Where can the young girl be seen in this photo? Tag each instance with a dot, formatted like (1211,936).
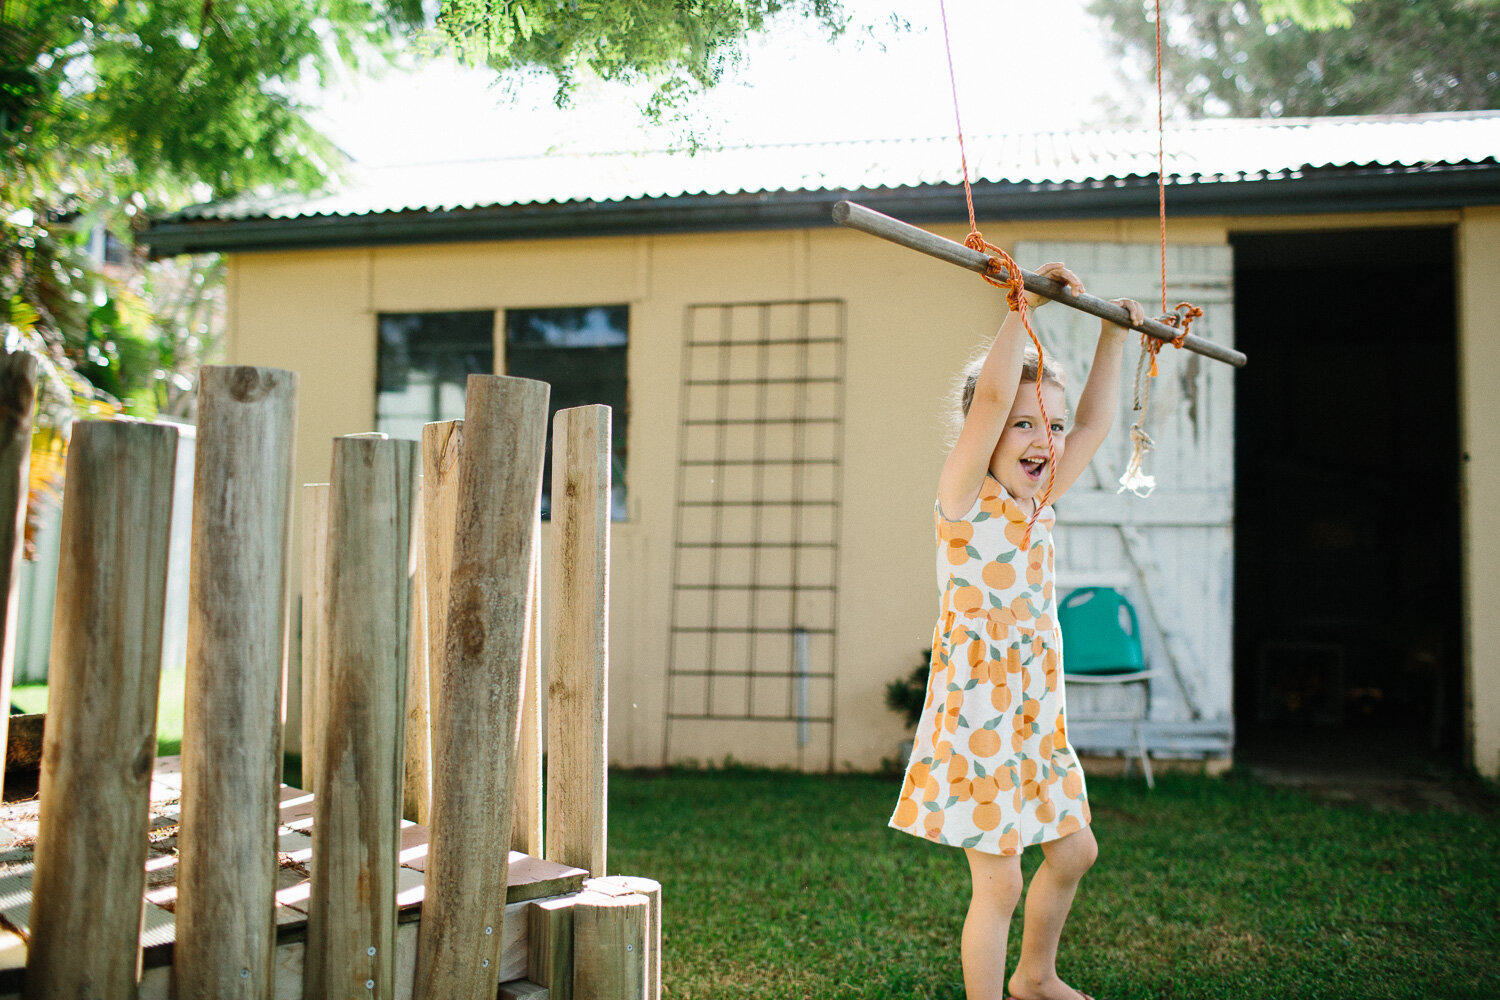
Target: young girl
(991,770)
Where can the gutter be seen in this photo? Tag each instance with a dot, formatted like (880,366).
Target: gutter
(1322,190)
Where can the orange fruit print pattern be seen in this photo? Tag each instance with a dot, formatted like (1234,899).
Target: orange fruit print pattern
(991,767)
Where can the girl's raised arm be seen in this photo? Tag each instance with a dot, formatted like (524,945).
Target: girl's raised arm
(1097,404)
(994,394)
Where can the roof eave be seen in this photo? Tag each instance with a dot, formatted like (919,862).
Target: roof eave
(1325,190)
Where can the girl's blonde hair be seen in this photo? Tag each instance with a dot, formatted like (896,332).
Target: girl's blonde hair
(1033,369)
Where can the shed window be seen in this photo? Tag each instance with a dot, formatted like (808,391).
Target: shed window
(423,362)
(581,352)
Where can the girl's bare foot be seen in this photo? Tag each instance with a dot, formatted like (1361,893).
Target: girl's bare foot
(1042,989)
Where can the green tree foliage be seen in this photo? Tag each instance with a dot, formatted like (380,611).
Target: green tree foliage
(126,96)
(682,46)
(113,108)
(1245,58)
(1314,15)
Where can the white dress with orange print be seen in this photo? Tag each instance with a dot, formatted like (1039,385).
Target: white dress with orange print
(990,766)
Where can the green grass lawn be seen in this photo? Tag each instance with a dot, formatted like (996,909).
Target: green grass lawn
(33,698)
(780,885)
(787,885)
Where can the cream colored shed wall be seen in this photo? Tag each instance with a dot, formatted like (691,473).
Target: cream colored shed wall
(1479,443)
(910,322)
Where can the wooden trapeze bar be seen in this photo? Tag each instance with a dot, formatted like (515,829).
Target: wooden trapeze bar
(855,216)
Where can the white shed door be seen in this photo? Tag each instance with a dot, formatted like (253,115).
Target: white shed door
(1171,553)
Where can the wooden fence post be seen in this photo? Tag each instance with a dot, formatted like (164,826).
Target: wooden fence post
(314,619)
(100,741)
(17,400)
(231,747)
(578,667)
(549,945)
(351,918)
(526,835)
(442,445)
(478,709)
(417,797)
(609,946)
(651,889)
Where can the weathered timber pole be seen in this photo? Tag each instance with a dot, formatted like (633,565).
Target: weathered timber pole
(314,623)
(578,613)
(526,831)
(609,945)
(100,741)
(442,444)
(855,216)
(651,889)
(478,708)
(351,919)
(549,945)
(237,635)
(417,796)
(17,400)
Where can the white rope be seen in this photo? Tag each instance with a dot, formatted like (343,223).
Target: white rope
(1135,478)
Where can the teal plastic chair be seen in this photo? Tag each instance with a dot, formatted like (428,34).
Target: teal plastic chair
(1102,646)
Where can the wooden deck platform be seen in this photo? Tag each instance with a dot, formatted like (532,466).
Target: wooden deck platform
(530,878)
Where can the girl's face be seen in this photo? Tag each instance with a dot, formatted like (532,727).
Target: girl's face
(1020,459)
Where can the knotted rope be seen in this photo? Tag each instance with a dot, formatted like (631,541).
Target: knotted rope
(1002,272)
(1135,478)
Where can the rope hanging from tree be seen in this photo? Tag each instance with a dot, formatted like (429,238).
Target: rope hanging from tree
(1002,272)
(1135,478)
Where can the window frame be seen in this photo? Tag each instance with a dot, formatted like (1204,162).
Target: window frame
(502,360)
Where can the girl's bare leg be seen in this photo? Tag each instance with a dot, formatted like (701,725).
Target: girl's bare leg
(997,889)
(1048,900)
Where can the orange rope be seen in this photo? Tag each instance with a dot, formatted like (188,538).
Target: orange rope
(1135,478)
(1182,318)
(1002,272)
(1161,174)
(963,158)
(1185,312)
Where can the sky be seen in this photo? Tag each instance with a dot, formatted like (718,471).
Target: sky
(1032,66)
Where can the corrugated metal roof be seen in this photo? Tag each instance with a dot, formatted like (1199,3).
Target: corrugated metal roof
(1197,152)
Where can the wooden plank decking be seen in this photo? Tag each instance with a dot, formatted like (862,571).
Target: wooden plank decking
(530,878)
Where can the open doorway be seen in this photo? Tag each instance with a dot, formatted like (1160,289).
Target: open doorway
(1348,649)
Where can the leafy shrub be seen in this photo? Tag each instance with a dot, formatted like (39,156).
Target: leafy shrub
(906,695)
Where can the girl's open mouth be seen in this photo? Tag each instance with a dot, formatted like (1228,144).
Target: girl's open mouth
(1033,467)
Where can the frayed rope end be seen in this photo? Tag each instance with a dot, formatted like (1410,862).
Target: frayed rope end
(1135,478)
